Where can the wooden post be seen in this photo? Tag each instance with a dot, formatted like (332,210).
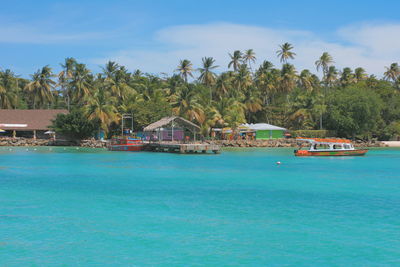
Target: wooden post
(34,134)
(14,134)
(172,136)
(122,126)
(132,125)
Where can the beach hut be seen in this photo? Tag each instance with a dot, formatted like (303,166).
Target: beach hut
(266,131)
(171,129)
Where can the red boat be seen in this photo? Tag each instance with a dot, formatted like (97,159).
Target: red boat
(125,143)
(329,147)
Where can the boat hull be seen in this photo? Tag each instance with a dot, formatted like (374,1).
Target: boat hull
(355,152)
(132,148)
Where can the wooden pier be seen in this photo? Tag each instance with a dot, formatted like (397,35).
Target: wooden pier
(189,148)
(176,135)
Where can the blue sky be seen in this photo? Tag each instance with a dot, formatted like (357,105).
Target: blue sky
(154,35)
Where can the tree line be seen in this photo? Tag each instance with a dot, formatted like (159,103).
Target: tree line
(350,102)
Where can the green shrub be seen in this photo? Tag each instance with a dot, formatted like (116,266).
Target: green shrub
(74,125)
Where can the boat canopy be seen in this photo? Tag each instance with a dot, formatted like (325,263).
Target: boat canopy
(324,140)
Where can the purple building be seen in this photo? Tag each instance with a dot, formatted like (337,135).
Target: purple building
(166,134)
(171,129)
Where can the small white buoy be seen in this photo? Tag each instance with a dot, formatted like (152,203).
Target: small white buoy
(35,149)
(278,163)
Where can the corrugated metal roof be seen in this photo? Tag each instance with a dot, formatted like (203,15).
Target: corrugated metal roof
(262,126)
(28,119)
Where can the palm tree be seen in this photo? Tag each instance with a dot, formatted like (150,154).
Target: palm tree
(242,80)
(64,76)
(207,77)
(360,74)
(110,69)
(8,89)
(392,72)
(265,67)
(249,57)
(300,110)
(41,86)
(324,62)
(288,77)
(223,84)
(347,77)
(306,80)
(186,104)
(331,75)
(236,60)
(67,68)
(81,83)
(173,84)
(269,83)
(252,101)
(302,117)
(235,116)
(117,82)
(220,110)
(285,52)
(185,69)
(101,107)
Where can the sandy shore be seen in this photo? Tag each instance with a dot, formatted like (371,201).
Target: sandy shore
(392,143)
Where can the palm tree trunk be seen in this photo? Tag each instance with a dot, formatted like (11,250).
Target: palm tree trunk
(211,94)
(68,102)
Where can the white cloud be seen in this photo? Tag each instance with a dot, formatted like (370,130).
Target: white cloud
(17,33)
(379,40)
(371,47)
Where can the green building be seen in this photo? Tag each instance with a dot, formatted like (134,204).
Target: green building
(266,131)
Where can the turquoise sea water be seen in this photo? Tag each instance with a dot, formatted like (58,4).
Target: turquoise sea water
(86,207)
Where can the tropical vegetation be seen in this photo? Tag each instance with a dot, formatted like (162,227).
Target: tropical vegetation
(350,102)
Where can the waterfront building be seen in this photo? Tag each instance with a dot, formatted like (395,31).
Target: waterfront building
(31,123)
(171,129)
(266,131)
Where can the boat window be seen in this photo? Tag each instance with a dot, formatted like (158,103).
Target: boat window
(346,146)
(314,146)
(320,146)
(337,146)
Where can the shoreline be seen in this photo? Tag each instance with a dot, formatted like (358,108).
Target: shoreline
(284,143)
(29,142)
(391,143)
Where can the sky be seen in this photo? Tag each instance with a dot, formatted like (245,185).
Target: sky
(154,35)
